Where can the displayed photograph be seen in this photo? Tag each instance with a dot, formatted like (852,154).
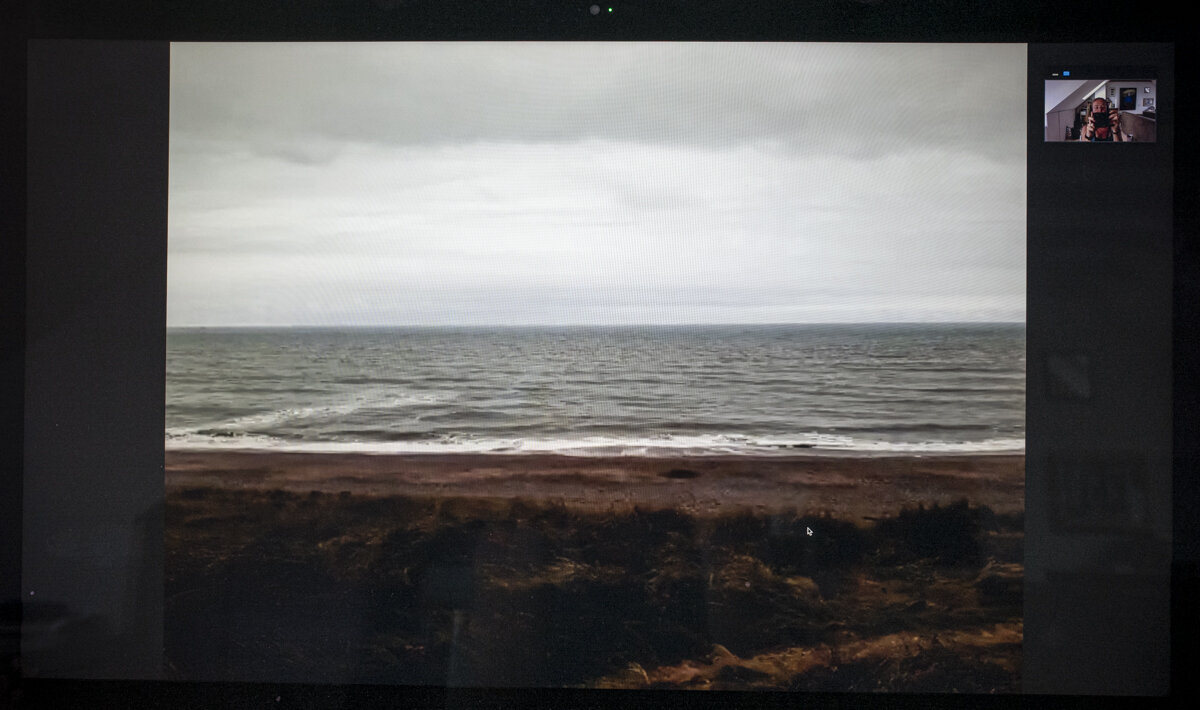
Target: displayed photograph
(597,365)
(1101,111)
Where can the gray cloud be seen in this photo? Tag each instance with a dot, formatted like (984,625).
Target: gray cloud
(845,99)
(515,183)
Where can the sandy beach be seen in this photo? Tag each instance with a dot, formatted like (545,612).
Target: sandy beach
(849,487)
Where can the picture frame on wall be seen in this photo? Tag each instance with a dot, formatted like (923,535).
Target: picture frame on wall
(1128,98)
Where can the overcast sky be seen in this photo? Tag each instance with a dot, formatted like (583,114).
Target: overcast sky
(559,183)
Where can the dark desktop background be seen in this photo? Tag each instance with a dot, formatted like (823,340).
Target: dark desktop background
(93,264)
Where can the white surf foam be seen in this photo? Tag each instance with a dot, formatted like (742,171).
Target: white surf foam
(335,409)
(701,445)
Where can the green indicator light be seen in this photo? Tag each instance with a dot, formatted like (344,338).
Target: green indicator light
(610,9)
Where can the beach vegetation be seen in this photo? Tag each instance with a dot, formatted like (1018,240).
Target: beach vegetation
(332,587)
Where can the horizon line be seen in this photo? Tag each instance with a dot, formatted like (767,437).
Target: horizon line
(590,325)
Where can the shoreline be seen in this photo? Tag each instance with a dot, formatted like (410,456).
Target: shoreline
(790,452)
(845,485)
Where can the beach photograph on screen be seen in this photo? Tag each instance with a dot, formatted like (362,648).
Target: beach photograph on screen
(682,366)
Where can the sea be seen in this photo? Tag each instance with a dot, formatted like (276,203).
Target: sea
(695,390)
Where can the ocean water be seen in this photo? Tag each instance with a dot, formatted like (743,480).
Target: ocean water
(651,390)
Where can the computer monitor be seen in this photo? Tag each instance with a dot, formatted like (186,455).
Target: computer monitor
(796,366)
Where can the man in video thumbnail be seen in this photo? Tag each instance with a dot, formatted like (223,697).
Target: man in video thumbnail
(1103,123)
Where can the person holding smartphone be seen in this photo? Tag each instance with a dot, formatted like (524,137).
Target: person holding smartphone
(1103,123)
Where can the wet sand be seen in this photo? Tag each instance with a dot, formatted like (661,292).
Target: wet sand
(849,487)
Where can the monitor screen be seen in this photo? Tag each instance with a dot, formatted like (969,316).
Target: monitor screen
(601,365)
